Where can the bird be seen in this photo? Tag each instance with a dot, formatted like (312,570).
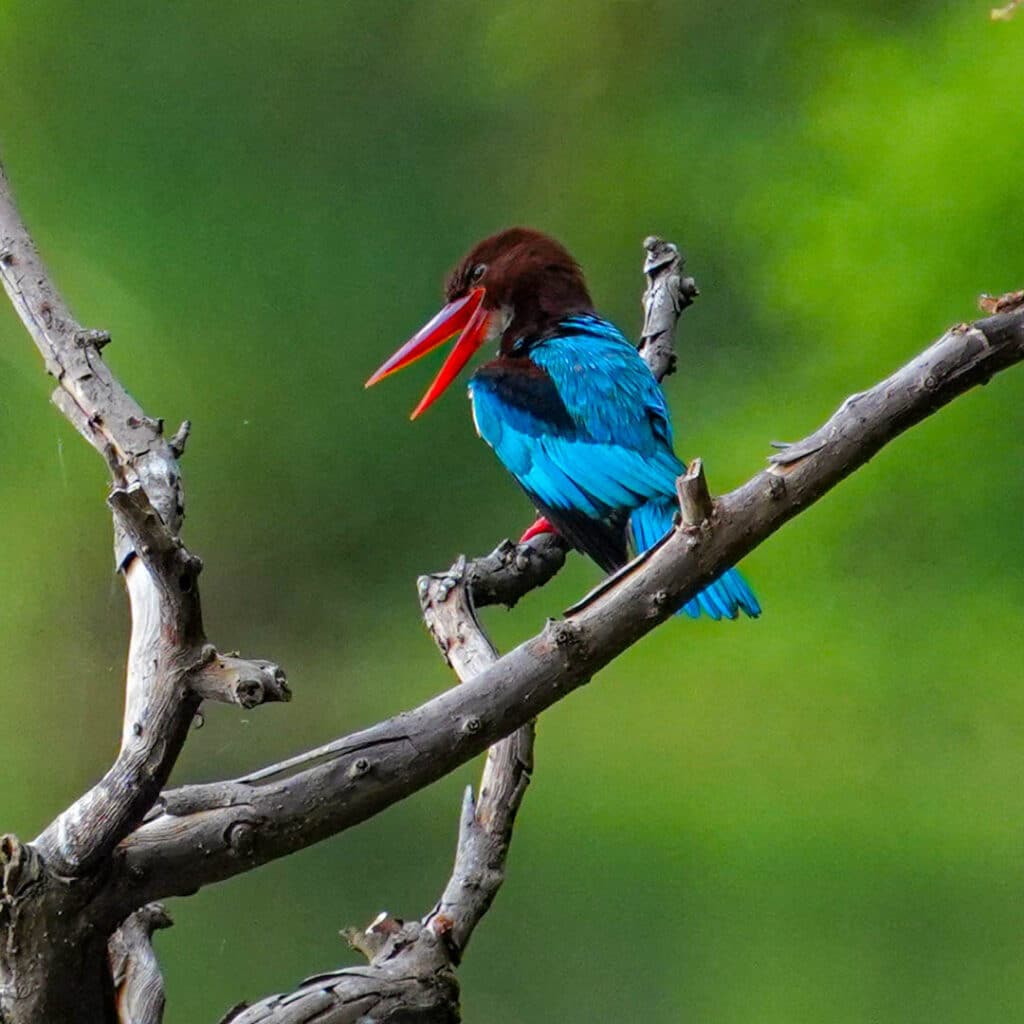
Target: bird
(568,405)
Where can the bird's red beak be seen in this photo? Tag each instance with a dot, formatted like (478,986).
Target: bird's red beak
(467,315)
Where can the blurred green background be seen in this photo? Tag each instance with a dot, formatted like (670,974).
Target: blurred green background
(813,817)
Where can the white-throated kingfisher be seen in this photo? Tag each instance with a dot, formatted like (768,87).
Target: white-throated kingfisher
(569,406)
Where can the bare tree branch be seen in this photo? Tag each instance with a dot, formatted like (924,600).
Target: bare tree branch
(512,570)
(668,294)
(138,984)
(285,807)
(170,666)
(63,896)
(53,931)
(232,680)
(485,825)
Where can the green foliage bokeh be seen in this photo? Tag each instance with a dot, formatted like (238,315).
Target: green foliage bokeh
(813,817)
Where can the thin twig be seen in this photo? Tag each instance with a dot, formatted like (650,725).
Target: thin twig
(695,505)
(668,293)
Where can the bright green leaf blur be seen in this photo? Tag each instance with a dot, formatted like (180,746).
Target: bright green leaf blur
(814,817)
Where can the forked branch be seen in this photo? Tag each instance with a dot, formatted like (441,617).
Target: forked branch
(288,806)
(118,848)
(171,668)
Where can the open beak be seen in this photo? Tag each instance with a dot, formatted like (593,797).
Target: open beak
(467,315)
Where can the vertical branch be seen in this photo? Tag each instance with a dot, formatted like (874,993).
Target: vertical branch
(667,294)
(54,938)
(138,984)
(133,446)
(485,826)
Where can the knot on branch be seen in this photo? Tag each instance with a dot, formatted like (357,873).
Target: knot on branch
(244,682)
(94,339)
(565,635)
(20,868)
(695,504)
(240,837)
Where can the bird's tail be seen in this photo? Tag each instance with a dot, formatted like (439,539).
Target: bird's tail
(724,598)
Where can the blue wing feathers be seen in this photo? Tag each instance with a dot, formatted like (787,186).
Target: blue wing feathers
(581,423)
(725,598)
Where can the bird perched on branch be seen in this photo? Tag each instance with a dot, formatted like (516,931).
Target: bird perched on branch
(569,406)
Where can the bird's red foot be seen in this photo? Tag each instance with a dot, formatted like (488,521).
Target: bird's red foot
(539,527)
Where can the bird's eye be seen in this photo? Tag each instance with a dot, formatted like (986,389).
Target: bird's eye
(477,272)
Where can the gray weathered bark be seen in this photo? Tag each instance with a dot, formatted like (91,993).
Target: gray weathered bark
(48,905)
(138,983)
(287,806)
(410,974)
(74,943)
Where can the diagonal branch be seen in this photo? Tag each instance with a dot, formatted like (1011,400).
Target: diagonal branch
(285,807)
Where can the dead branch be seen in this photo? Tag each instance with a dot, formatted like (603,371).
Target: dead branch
(63,896)
(168,655)
(138,984)
(485,824)
(288,806)
(171,667)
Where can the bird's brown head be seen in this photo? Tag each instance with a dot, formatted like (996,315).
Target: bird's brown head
(516,284)
(530,281)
